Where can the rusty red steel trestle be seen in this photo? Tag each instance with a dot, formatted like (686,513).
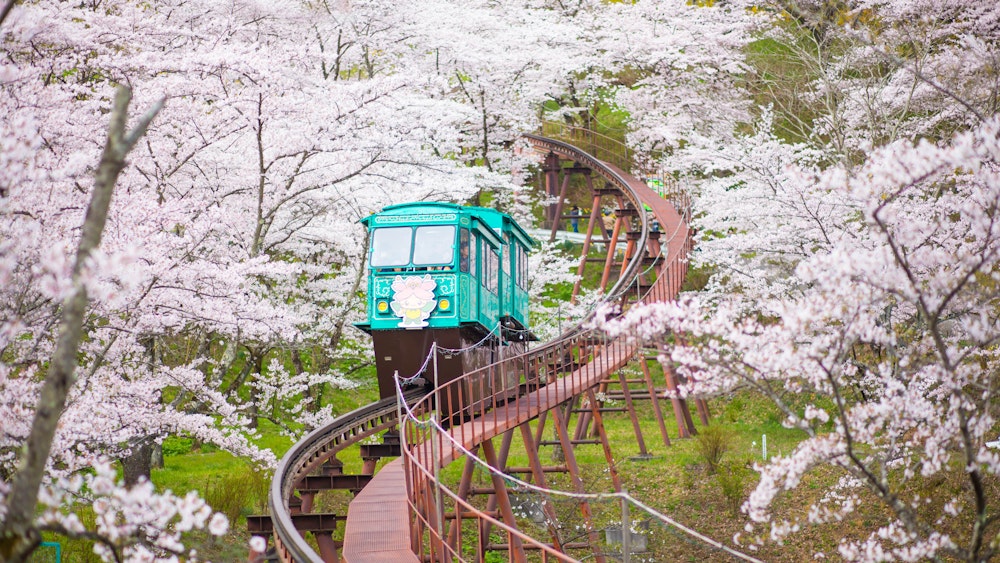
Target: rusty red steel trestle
(555,380)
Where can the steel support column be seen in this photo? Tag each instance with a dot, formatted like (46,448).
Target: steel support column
(551,523)
(455,531)
(500,493)
(632,414)
(657,412)
(605,445)
(574,472)
(591,224)
(500,463)
(609,260)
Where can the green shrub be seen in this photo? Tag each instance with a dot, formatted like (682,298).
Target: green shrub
(732,479)
(712,443)
(177,445)
(231,493)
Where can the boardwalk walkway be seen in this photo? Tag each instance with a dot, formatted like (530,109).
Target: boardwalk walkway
(378,520)
(378,529)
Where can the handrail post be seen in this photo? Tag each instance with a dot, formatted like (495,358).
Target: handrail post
(438,502)
(437,392)
(626,531)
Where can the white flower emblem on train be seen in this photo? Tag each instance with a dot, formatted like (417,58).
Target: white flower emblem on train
(413,300)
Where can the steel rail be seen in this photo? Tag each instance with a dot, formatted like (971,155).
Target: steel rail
(308,454)
(312,451)
(576,154)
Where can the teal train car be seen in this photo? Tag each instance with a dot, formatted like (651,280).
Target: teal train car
(445,274)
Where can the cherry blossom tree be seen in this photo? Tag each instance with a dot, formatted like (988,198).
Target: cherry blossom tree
(869,73)
(208,255)
(150,517)
(851,230)
(496,61)
(879,347)
(678,66)
(231,262)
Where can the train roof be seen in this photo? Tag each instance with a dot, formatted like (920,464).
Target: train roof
(496,220)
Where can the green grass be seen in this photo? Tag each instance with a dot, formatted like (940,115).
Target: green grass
(675,481)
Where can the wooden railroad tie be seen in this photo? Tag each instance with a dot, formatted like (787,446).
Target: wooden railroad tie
(317,523)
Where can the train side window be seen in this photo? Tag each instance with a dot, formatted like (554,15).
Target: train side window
(515,259)
(493,265)
(505,263)
(522,267)
(474,254)
(527,272)
(434,245)
(463,250)
(484,265)
(391,246)
(486,274)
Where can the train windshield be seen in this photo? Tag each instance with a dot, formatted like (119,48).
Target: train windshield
(391,246)
(434,245)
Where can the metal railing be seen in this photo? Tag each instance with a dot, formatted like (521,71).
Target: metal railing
(544,376)
(482,404)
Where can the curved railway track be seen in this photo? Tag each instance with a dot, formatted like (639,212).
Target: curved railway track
(558,371)
(308,455)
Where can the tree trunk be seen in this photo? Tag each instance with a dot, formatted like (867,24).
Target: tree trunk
(19,537)
(156,457)
(254,410)
(139,462)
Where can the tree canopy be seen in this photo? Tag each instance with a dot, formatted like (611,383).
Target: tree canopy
(843,156)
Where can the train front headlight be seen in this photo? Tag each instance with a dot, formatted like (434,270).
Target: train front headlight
(444,304)
(382,306)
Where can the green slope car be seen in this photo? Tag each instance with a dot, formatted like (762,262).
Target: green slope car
(450,276)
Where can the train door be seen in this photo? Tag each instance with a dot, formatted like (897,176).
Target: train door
(506,279)
(521,286)
(468,294)
(475,267)
(489,306)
